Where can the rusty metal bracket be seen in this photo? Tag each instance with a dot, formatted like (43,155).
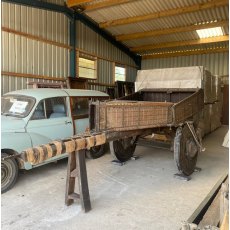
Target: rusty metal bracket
(192,130)
(10,156)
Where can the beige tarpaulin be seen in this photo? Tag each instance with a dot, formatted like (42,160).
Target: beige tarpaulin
(183,77)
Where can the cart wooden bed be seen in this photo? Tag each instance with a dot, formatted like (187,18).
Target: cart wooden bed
(172,112)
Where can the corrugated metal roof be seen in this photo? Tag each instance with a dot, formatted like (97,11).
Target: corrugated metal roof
(218,14)
(143,7)
(136,8)
(185,36)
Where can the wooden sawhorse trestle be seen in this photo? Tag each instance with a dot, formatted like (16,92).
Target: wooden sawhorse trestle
(76,169)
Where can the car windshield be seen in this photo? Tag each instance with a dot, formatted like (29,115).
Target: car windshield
(16,105)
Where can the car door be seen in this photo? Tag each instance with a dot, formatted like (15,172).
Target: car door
(51,120)
(80,113)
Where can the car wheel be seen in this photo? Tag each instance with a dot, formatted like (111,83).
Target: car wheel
(9,173)
(123,149)
(95,152)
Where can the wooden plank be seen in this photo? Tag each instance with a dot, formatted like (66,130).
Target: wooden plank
(83,181)
(74,173)
(104,4)
(201,208)
(74,196)
(36,38)
(181,43)
(224,201)
(70,181)
(186,53)
(27,75)
(212,216)
(72,3)
(153,33)
(166,13)
(225,223)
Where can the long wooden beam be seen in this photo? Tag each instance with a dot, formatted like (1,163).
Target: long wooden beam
(36,38)
(185,53)
(181,43)
(139,35)
(108,3)
(72,3)
(27,75)
(167,13)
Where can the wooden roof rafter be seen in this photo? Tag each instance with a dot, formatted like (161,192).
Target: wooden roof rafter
(139,35)
(74,3)
(223,38)
(105,4)
(167,13)
(185,53)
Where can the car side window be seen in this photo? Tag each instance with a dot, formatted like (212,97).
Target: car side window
(39,112)
(56,107)
(80,106)
(50,108)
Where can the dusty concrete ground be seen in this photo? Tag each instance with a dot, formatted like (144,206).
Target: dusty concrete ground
(142,194)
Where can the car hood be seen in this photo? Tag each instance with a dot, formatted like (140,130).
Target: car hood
(12,124)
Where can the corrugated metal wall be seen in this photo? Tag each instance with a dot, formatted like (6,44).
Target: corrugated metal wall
(21,54)
(216,63)
(24,54)
(93,43)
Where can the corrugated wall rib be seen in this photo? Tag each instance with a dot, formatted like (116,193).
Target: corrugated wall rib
(90,41)
(24,55)
(216,63)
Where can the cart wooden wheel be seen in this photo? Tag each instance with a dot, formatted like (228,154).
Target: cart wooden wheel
(123,149)
(185,151)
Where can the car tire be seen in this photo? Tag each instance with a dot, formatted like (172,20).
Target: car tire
(121,151)
(9,173)
(95,152)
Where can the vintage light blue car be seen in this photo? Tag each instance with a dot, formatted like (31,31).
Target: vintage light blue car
(37,116)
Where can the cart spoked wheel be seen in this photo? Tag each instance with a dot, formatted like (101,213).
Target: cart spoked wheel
(9,173)
(185,151)
(95,152)
(123,149)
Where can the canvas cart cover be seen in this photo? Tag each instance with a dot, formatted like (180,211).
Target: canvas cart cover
(183,77)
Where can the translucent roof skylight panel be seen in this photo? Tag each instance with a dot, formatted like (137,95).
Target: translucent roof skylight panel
(211,32)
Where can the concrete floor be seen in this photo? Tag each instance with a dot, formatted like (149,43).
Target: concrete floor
(142,194)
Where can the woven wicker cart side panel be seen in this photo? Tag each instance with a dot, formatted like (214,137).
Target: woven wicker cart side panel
(126,116)
(188,107)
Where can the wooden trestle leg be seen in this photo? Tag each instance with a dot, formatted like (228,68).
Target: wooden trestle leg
(77,169)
